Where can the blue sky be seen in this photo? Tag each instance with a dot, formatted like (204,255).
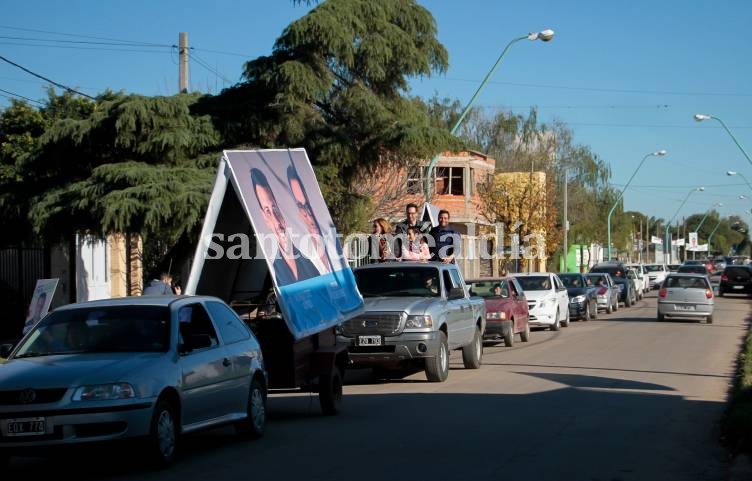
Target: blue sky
(627,79)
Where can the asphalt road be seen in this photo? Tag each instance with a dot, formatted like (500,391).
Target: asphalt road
(619,398)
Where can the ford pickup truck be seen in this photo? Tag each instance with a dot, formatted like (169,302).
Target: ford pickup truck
(414,312)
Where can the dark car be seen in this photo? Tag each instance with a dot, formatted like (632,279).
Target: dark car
(692,269)
(618,272)
(583,296)
(506,308)
(735,279)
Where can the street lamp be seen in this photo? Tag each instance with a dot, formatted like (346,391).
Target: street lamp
(543,36)
(711,235)
(701,117)
(668,224)
(697,229)
(621,194)
(731,173)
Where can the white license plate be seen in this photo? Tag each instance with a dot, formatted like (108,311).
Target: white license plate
(685,308)
(738,287)
(26,427)
(369,340)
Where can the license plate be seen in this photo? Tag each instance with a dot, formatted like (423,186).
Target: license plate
(738,287)
(369,340)
(685,308)
(26,427)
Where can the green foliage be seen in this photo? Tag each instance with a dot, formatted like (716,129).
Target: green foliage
(737,421)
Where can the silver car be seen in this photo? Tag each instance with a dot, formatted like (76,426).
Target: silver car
(138,367)
(686,295)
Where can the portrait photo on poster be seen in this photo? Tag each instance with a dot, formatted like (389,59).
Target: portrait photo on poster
(292,223)
(44,291)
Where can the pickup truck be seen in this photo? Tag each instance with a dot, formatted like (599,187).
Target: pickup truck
(414,312)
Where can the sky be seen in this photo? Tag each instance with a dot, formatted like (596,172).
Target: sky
(626,77)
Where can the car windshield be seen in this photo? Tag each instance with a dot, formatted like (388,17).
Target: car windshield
(398,282)
(615,271)
(572,280)
(534,283)
(99,329)
(597,280)
(495,288)
(653,267)
(693,268)
(691,282)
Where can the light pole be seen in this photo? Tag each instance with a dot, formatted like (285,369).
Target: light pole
(701,117)
(731,173)
(668,224)
(711,235)
(544,36)
(621,194)
(697,229)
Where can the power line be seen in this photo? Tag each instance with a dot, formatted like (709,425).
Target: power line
(72,47)
(19,96)
(76,35)
(46,79)
(209,68)
(86,42)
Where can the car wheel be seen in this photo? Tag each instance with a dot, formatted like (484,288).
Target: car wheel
(616,305)
(330,392)
(437,367)
(163,435)
(594,311)
(253,425)
(609,309)
(628,300)
(555,326)
(661,317)
(709,319)
(472,354)
(587,315)
(565,322)
(509,336)
(525,335)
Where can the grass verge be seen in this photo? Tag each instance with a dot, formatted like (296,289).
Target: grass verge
(737,422)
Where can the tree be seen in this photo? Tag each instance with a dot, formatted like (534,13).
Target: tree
(336,83)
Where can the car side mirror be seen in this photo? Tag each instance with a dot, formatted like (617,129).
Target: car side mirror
(5,350)
(456,293)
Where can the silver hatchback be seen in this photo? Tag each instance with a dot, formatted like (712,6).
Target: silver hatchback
(138,367)
(686,295)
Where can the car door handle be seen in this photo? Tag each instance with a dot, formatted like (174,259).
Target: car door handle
(226,362)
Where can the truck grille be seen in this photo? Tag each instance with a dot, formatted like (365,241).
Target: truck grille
(383,323)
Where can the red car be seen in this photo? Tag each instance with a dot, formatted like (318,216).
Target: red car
(506,308)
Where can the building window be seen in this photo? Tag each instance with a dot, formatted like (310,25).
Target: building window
(450,180)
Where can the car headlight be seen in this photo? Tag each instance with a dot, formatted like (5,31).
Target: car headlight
(496,315)
(542,303)
(414,322)
(104,392)
(578,299)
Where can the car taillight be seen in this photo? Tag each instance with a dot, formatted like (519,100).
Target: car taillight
(662,292)
(708,293)
(602,291)
(724,277)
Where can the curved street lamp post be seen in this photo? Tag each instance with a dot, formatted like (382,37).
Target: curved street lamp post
(667,247)
(544,36)
(697,229)
(621,194)
(701,117)
(732,173)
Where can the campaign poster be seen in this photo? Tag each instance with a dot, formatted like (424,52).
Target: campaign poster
(40,302)
(297,237)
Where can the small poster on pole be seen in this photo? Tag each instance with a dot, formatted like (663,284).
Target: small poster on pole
(40,302)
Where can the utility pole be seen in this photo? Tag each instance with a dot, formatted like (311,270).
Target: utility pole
(566,225)
(183,63)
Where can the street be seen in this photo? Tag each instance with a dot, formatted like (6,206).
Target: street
(619,398)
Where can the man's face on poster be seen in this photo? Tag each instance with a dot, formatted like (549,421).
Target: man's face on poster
(273,217)
(304,207)
(40,306)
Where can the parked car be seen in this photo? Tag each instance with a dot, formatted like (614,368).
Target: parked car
(129,368)
(607,293)
(506,309)
(656,275)
(735,279)
(583,296)
(686,295)
(632,275)
(707,264)
(415,312)
(547,299)
(642,276)
(618,272)
(672,267)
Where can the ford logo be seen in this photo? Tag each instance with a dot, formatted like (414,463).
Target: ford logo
(27,396)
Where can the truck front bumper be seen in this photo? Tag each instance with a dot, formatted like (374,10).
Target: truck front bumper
(393,349)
